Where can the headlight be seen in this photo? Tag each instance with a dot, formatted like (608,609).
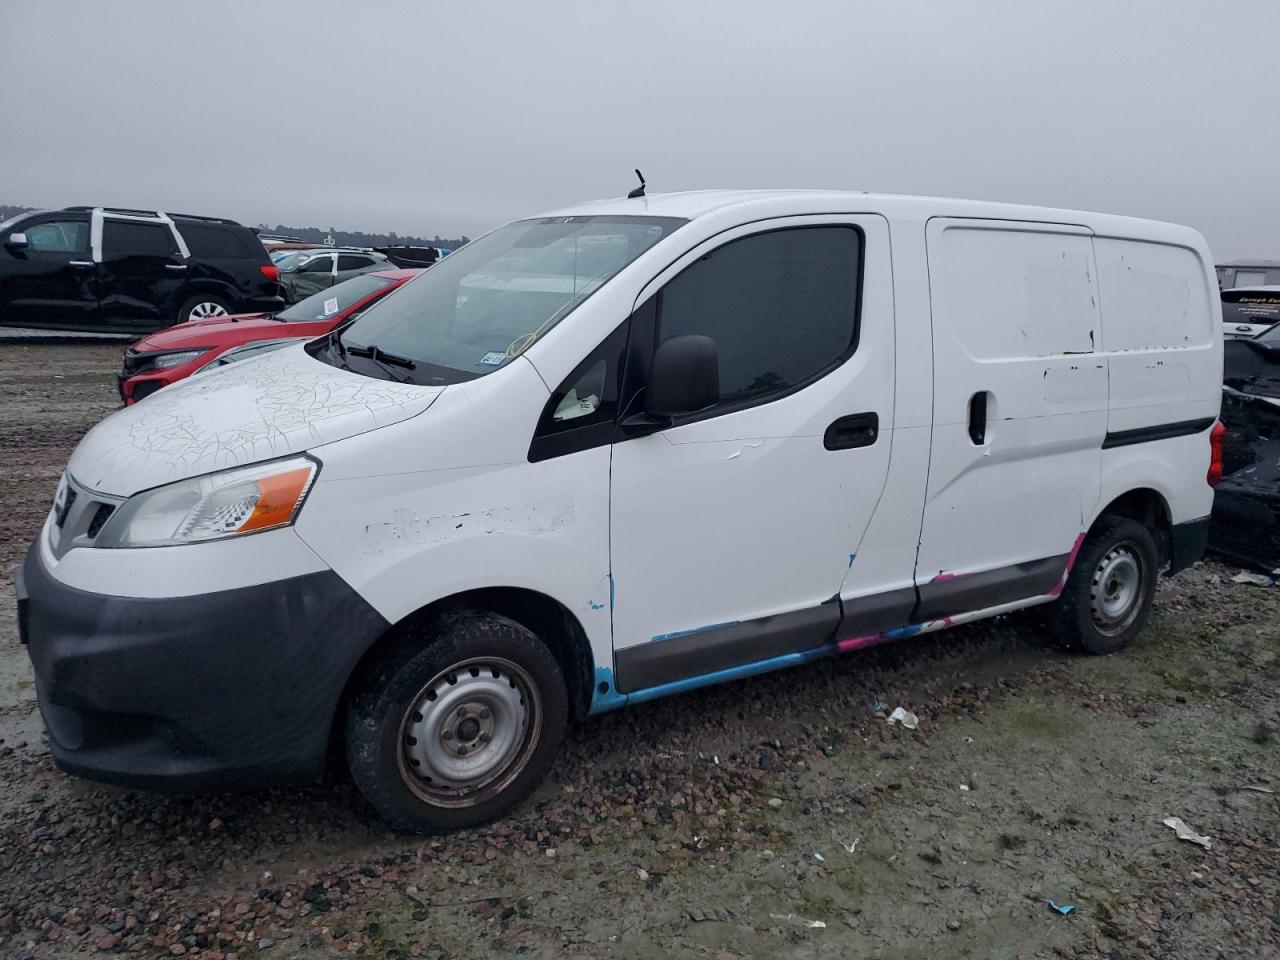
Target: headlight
(213,507)
(163,361)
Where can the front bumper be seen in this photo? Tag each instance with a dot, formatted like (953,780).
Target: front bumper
(221,689)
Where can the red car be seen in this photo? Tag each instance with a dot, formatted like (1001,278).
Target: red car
(170,355)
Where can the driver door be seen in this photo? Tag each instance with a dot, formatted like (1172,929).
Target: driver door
(50,282)
(732,531)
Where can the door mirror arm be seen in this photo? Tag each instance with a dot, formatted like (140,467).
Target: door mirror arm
(642,424)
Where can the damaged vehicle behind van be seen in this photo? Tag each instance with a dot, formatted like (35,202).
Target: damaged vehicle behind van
(1246,505)
(616,453)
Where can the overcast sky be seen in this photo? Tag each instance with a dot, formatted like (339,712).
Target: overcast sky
(453,117)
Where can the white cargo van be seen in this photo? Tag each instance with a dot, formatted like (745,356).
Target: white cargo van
(616,453)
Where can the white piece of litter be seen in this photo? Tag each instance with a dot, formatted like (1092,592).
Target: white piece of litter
(908,719)
(1184,832)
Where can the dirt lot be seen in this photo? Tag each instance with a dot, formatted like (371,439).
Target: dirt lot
(779,816)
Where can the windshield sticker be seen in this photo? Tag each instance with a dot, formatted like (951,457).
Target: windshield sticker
(493,359)
(331,306)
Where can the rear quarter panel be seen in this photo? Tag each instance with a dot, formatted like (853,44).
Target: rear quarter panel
(1162,336)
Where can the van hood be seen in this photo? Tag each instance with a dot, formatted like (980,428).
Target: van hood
(282,403)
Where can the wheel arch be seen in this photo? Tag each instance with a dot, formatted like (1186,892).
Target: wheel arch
(1148,507)
(544,616)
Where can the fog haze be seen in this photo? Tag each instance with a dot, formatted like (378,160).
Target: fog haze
(452,118)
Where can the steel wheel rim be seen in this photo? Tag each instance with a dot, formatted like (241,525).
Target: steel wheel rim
(468,732)
(207,310)
(1119,584)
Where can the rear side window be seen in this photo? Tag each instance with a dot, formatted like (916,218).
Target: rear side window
(127,238)
(351,261)
(782,307)
(216,243)
(1154,295)
(1010,294)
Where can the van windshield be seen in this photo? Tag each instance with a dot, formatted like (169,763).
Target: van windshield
(481,307)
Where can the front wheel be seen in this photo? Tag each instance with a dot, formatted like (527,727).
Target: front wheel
(1107,597)
(454,728)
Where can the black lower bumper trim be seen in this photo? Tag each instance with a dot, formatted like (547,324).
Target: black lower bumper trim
(220,689)
(1187,543)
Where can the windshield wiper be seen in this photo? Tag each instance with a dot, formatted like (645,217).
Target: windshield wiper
(384,360)
(374,352)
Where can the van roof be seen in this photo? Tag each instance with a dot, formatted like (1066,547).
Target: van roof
(692,204)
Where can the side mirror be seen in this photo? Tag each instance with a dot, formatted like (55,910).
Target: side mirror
(684,377)
(16,241)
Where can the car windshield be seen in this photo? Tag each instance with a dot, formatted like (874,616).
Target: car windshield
(332,301)
(483,306)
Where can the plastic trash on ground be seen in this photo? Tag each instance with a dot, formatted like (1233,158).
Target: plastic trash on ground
(1184,832)
(906,717)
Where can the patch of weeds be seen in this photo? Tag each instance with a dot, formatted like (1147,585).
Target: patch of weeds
(1011,841)
(1263,734)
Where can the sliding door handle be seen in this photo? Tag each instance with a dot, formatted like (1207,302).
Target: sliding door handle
(855,430)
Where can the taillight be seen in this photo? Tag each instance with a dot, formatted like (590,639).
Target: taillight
(1215,454)
(271,272)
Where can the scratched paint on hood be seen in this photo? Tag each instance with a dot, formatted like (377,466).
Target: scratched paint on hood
(284,403)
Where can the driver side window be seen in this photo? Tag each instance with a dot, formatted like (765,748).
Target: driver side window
(58,236)
(781,307)
(318,265)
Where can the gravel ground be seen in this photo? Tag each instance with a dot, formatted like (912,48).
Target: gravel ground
(777,816)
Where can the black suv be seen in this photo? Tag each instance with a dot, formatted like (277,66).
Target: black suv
(108,269)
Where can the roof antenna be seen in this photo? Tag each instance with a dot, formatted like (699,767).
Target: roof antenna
(638,191)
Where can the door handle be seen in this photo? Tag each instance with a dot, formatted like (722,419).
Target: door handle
(175,266)
(978,418)
(855,430)
(79,263)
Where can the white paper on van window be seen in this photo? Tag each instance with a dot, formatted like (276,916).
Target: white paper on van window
(331,306)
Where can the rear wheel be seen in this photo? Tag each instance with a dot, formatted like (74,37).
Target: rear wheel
(455,728)
(1107,597)
(202,307)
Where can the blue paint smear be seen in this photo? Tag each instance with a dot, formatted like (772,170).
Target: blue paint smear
(852,557)
(613,593)
(900,632)
(604,702)
(732,673)
(685,633)
(1064,909)
(595,606)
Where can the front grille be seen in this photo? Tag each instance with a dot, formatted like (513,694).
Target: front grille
(95,525)
(68,502)
(80,517)
(145,388)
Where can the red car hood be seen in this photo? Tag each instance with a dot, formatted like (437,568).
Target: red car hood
(229,332)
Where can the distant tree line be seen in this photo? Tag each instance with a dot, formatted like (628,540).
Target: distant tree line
(356,238)
(343,238)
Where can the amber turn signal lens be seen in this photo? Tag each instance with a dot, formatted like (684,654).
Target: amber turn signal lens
(278,497)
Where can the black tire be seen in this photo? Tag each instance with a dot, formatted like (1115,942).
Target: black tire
(407,695)
(1094,614)
(201,302)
